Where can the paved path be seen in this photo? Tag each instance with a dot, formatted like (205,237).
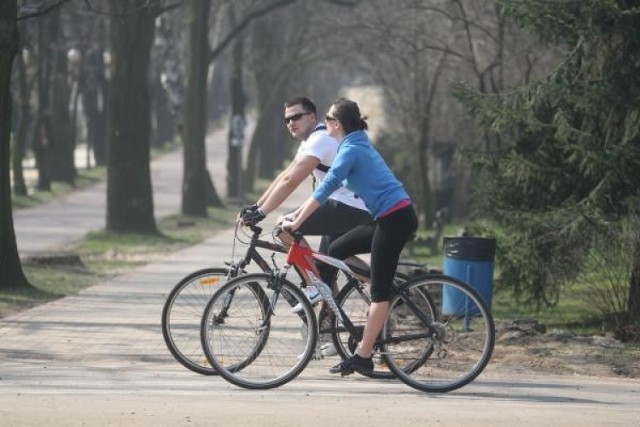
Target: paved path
(68,218)
(98,359)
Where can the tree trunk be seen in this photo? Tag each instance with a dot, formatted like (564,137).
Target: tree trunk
(235,187)
(275,144)
(165,128)
(269,148)
(273,70)
(195,176)
(633,304)
(94,104)
(129,192)
(425,198)
(21,134)
(41,137)
(11,274)
(62,150)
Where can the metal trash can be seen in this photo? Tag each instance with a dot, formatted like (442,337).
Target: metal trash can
(470,259)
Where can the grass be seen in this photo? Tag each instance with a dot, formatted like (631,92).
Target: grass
(569,315)
(114,252)
(572,313)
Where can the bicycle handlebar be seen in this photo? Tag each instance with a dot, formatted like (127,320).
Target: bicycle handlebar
(297,235)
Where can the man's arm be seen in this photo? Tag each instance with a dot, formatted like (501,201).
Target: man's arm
(287,182)
(274,184)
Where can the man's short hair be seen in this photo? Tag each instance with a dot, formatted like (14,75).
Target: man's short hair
(307,105)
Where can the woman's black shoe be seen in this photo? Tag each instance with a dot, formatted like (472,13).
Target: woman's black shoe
(353,364)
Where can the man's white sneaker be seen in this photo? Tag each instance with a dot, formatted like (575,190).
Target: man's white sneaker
(312,294)
(328,350)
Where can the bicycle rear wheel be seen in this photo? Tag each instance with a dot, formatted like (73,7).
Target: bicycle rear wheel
(182,316)
(255,348)
(444,352)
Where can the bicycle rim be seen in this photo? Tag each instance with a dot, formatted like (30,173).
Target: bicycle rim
(182,315)
(249,348)
(461,346)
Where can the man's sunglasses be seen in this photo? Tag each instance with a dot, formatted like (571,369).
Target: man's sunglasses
(295,117)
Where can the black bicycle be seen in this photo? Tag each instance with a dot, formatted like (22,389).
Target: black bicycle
(183,307)
(438,336)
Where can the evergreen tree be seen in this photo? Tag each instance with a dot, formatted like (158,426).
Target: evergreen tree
(572,170)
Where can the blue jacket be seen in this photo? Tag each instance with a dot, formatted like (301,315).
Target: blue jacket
(359,167)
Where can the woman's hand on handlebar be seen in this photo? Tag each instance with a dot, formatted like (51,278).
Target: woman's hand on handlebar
(288,217)
(289,225)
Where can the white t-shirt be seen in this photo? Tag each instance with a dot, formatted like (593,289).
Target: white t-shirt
(324,148)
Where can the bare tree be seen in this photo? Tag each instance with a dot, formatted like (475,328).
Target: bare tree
(414,50)
(11,274)
(281,48)
(195,177)
(60,136)
(42,133)
(23,97)
(95,88)
(129,193)
(235,187)
(198,189)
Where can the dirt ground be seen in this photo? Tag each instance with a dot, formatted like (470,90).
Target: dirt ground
(522,349)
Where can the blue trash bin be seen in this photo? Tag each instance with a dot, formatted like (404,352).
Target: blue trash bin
(470,259)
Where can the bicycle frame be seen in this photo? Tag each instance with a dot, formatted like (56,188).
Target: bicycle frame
(301,258)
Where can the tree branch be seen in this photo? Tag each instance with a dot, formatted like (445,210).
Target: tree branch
(346,3)
(242,25)
(43,11)
(161,10)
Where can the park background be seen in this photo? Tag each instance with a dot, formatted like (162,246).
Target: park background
(510,119)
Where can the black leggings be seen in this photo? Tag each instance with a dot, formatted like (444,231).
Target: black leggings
(385,239)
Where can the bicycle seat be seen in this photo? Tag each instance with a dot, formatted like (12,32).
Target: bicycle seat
(358,266)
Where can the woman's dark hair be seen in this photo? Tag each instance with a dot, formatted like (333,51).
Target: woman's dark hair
(348,113)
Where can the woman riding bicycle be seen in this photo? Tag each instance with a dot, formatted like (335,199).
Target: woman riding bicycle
(361,167)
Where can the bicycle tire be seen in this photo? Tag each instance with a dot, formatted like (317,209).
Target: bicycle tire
(456,353)
(182,316)
(254,349)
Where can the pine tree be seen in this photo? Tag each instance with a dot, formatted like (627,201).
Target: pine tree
(572,171)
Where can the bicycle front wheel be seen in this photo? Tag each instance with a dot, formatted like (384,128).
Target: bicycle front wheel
(443,352)
(182,315)
(260,344)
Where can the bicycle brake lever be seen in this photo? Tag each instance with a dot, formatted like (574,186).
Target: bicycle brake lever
(273,261)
